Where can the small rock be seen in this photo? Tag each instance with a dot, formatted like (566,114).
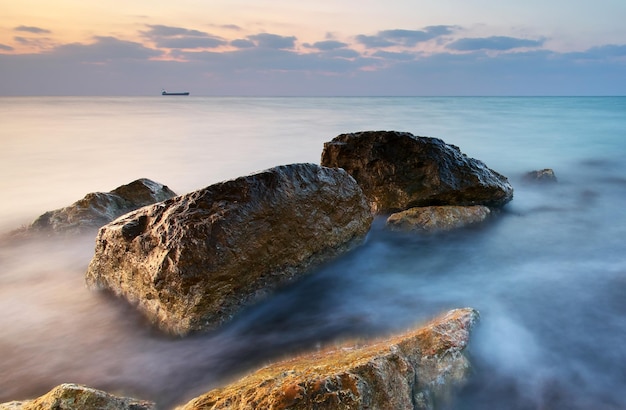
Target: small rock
(541,176)
(99,208)
(437,218)
(78,397)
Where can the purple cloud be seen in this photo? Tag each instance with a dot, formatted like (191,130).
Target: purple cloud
(498,43)
(401,37)
(273,41)
(31,29)
(182,38)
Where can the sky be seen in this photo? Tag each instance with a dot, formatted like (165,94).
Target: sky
(321,48)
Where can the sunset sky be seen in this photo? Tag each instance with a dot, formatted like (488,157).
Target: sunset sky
(279,47)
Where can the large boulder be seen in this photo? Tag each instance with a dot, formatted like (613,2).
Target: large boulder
(398,170)
(437,218)
(99,208)
(417,370)
(77,397)
(193,262)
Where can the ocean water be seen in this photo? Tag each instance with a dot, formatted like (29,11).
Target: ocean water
(548,274)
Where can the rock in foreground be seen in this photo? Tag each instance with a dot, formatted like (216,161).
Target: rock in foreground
(77,397)
(398,171)
(417,370)
(99,208)
(437,218)
(193,262)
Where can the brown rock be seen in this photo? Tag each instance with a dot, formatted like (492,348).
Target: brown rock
(193,262)
(77,397)
(99,208)
(437,218)
(541,176)
(417,370)
(398,170)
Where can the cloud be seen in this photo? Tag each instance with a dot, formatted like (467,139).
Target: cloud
(406,38)
(39,42)
(274,41)
(4,47)
(31,29)
(242,43)
(270,64)
(497,43)
(231,27)
(181,38)
(387,55)
(327,45)
(105,49)
(609,51)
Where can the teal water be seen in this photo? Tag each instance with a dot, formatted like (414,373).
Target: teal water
(548,275)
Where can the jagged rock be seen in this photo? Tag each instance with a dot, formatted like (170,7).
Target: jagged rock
(417,370)
(398,170)
(193,262)
(437,218)
(77,397)
(541,176)
(99,208)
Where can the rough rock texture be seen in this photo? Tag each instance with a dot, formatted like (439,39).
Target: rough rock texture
(99,208)
(192,262)
(437,218)
(542,176)
(77,397)
(398,170)
(417,370)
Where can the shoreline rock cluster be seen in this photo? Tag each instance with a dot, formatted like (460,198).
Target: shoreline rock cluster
(191,263)
(425,184)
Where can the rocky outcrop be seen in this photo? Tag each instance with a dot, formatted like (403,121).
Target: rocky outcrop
(99,208)
(192,262)
(417,370)
(78,397)
(540,176)
(437,218)
(398,171)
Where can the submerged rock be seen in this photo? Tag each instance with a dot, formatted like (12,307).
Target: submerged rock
(398,170)
(541,176)
(417,370)
(78,397)
(99,208)
(437,218)
(193,262)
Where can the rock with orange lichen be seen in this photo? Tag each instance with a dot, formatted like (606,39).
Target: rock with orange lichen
(77,397)
(420,369)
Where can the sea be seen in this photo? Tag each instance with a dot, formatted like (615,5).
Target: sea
(547,274)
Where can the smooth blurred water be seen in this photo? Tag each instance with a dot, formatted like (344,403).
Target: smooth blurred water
(548,274)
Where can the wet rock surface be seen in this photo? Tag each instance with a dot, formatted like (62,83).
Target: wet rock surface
(77,397)
(99,208)
(420,369)
(398,171)
(437,218)
(193,262)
